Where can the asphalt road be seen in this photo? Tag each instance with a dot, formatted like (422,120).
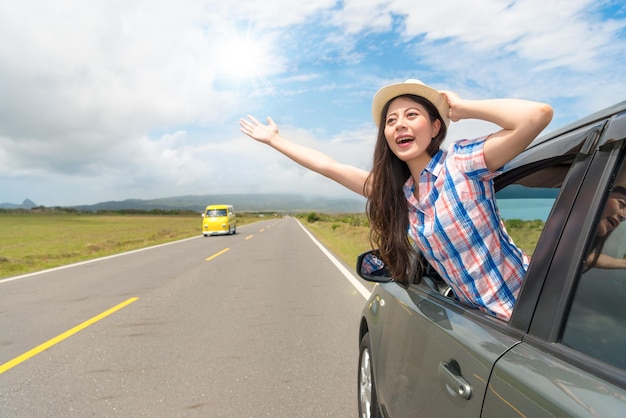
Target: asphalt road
(258,324)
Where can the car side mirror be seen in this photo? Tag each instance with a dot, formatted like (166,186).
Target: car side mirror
(371,267)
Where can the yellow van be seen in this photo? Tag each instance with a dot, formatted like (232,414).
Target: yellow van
(218,219)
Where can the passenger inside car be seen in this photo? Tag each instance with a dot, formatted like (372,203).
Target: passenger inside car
(613,215)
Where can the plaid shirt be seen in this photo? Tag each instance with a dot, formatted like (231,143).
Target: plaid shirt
(456,224)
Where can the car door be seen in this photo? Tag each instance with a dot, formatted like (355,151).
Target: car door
(572,361)
(435,356)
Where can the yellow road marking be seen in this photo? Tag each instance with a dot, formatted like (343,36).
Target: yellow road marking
(249,236)
(261,230)
(42,347)
(216,254)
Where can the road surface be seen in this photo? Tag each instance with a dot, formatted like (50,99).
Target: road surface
(258,324)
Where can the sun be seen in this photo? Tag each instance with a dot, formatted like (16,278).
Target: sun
(242,56)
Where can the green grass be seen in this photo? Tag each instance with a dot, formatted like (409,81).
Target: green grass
(525,233)
(33,241)
(347,235)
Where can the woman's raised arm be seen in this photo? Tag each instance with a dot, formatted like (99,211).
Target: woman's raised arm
(521,121)
(348,176)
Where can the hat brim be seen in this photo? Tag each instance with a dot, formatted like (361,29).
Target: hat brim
(387,93)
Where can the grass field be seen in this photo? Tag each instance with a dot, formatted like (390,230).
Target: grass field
(35,241)
(347,235)
(31,242)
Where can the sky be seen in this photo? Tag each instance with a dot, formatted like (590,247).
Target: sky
(117,99)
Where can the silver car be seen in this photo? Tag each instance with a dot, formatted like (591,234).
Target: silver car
(563,352)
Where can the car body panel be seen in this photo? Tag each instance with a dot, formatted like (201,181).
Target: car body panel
(410,371)
(524,377)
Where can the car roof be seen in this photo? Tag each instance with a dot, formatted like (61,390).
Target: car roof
(594,117)
(557,143)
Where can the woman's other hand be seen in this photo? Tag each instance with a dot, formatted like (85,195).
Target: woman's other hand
(453,100)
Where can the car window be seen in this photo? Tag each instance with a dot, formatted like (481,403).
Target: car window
(526,203)
(216,212)
(596,324)
(527,190)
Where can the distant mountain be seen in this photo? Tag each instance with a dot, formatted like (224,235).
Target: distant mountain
(241,203)
(264,202)
(26,204)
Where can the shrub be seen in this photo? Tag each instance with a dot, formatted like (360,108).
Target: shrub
(513,223)
(312,217)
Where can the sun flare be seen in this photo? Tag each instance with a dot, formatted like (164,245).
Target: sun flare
(242,57)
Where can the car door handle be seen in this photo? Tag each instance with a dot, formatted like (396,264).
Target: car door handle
(450,375)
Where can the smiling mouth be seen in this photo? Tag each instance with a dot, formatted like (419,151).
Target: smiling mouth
(404,140)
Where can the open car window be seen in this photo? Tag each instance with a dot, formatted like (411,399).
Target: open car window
(527,191)
(526,204)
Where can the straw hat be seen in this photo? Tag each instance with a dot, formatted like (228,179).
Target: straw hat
(412,86)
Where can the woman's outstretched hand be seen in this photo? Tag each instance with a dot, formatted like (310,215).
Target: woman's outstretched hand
(256,130)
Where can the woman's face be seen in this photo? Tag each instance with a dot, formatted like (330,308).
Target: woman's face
(409,130)
(614,213)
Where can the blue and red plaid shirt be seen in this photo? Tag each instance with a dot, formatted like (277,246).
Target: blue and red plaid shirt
(456,224)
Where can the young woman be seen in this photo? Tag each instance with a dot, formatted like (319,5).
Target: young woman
(423,200)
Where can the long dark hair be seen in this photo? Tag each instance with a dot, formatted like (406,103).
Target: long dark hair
(387,208)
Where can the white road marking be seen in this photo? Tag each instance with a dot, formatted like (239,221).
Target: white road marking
(355,282)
